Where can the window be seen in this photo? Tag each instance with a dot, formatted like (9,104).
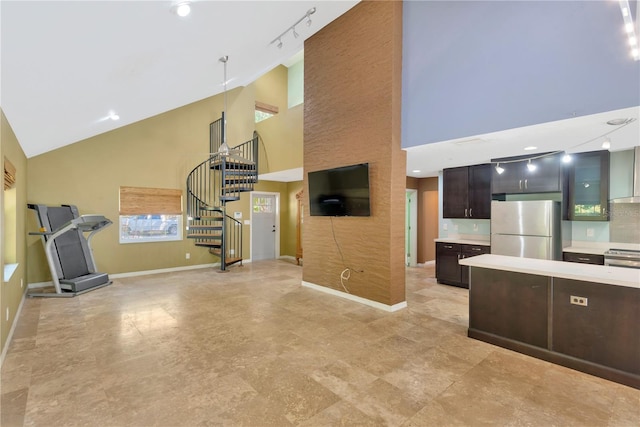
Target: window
(263,204)
(264,111)
(150,215)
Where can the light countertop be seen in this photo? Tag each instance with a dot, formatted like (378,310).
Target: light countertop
(584,250)
(465,241)
(619,276)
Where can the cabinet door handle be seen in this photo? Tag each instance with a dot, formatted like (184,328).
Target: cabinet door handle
(465,213)
(470,212)
(526,183)
(476,249)
(520,184)
(584,259)
(448,246)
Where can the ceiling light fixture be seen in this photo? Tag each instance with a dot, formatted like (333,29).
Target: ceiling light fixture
(416,171)
(566,158)
(292,28)
(181,8)
(499,169)
(113,116)
(531,147)
(606,144)
(531,166)
(629,28)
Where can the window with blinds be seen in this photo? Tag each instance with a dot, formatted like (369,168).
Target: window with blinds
(150,214)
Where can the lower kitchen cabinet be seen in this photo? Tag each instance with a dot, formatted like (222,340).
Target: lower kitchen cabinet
(448,271)
(583,258)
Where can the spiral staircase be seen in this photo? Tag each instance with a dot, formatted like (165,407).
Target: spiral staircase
(221,178)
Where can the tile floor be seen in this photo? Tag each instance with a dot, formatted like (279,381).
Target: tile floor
(251,347)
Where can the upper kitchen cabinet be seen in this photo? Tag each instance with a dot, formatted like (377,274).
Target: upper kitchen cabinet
(518,178)
(589,186)
(467,192)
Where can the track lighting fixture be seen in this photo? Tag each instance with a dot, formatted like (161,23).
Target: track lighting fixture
(499,169)
(629,29)
(292,28)
(566,158)
(531,166)
(606,144)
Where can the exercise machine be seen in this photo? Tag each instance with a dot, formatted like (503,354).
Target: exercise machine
(68,251)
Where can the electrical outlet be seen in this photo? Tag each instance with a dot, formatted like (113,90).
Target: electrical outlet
(232,251)
(475,227)
(445,226)
(187,255)
(590,232)
(579,300)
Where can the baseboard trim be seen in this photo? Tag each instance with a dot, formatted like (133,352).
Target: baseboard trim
(7,343)
(164,270)
(370,303)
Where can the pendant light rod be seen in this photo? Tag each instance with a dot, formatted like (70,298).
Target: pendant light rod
(224,148)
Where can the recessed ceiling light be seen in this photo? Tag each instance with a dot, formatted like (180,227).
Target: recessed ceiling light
(531,147)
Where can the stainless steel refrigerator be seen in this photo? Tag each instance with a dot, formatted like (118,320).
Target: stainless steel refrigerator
(529,229)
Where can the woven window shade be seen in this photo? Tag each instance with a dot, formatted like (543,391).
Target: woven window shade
(266,108)
(139,200)
(9,175)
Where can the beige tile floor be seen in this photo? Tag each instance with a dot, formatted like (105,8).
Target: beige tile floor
(252,347)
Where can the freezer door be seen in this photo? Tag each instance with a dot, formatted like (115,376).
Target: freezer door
(522,246)
(530,217)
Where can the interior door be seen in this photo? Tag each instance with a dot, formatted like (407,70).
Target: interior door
(264,228)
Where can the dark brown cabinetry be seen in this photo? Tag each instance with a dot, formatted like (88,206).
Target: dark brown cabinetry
(588,178)
(510,305)
(448,271)
(517,178)
(467,192)
(583,258)
(610,315)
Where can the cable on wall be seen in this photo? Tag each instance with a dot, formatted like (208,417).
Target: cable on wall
(346,273)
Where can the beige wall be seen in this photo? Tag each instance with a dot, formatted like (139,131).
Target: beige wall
(352,115)
(156,152)
(12,291)
(282,133)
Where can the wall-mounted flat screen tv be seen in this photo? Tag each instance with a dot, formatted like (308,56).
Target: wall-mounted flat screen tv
(340,191)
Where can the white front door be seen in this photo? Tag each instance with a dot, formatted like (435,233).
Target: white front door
(265,232)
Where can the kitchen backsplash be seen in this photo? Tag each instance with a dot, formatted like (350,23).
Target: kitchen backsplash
(624,227)
(625,222)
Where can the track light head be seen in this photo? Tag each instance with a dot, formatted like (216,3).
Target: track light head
(295,33)
(279,44)
(606,144)
(531,166)
(499,169)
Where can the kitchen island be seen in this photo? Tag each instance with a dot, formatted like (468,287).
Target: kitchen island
(585,317)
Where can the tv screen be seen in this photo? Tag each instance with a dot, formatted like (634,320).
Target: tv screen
(340,191)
